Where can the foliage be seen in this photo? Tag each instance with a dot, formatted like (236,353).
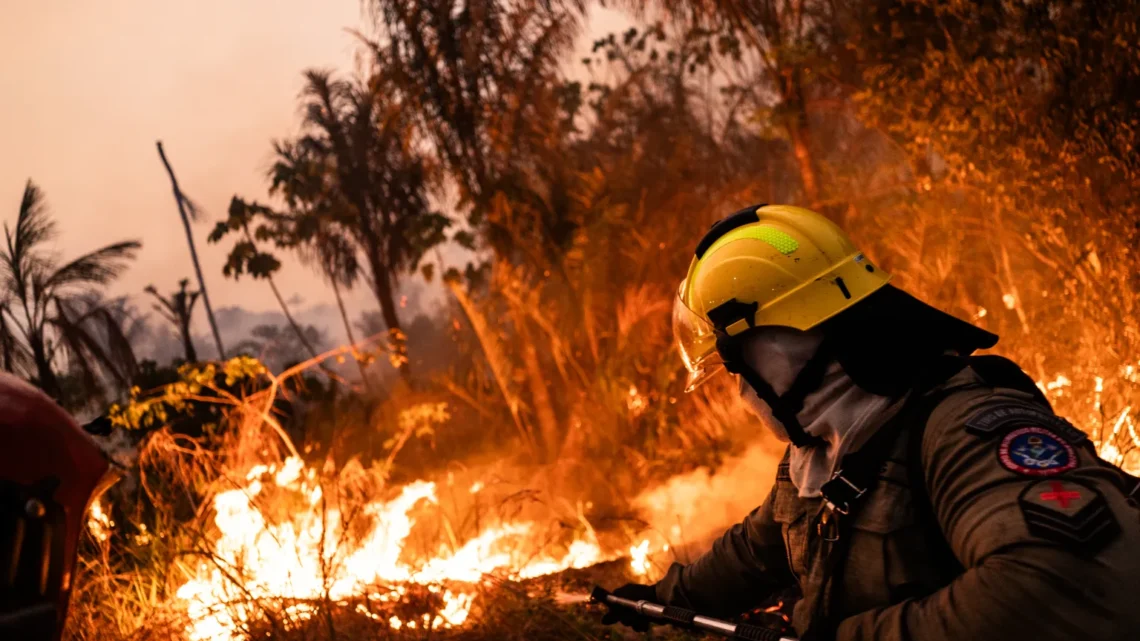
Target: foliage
(51,315)
(1016,158)
(353,183)
(209,383)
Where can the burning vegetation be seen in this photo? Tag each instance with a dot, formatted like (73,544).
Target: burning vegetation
(286,544)
(466,472)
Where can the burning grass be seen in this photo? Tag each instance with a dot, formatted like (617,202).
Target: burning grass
(235,534)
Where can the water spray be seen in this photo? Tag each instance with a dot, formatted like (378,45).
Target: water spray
(687,619)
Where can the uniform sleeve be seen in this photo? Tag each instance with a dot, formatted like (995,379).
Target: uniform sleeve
(1050,544)
(744,566)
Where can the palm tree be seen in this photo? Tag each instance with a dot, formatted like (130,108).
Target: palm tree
(51,313)
(178,309)
(299,178)
(346,129)
(355,183)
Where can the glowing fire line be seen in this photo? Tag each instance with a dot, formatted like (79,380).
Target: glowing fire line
(303,559)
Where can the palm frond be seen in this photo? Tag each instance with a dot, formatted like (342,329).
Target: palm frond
(14,355)
(72,339)
(94,338)
(33,225)
(95,268)
(117,344)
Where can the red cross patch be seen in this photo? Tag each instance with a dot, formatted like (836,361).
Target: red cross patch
(1059,494)
(1069,512)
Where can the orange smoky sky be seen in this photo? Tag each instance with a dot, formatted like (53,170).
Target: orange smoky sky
(89,86)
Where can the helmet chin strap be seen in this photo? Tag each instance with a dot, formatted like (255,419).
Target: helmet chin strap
(787,406)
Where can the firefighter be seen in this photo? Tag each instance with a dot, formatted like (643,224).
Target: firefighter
(49,471)
(925,494)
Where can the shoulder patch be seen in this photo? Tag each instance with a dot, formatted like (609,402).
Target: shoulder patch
(994,419)
(1036,451)
(1069,512)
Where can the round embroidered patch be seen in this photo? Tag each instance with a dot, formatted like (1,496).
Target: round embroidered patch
(1036,451)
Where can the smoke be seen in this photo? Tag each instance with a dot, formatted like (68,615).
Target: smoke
(690,509)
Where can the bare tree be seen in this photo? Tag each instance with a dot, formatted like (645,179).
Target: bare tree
(187,210)
(178,309)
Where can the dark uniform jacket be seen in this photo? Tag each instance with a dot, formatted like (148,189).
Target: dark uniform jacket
(1049,541)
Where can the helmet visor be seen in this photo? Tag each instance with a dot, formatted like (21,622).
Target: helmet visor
(696,343)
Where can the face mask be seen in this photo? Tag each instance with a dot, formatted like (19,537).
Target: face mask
(760,410)
(779,354)
(781,366)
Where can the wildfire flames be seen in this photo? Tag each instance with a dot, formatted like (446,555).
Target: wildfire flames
(307,558)
(282,545)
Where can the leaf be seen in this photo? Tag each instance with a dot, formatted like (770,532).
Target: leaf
(464,239)
(221,228)
(263,265)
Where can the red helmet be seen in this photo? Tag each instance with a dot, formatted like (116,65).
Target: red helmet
(49,471)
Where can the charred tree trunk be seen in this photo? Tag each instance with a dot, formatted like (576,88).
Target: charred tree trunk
(801,148)
(284,307)
(7,344)
(396,339)
(382,287)
(188,343)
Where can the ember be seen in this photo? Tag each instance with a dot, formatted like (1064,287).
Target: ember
(98,522)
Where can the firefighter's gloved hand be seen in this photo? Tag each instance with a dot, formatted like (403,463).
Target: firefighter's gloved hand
(627,616)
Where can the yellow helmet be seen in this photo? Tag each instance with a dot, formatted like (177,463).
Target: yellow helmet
(762,266)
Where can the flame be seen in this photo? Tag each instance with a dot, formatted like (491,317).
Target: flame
(639,558)
(1121,446)
(307,557)
(99,522)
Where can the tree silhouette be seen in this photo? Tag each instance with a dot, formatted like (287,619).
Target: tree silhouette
(51,314)
(353,183)
(178,309)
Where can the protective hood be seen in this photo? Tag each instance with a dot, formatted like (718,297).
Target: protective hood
(885,339)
